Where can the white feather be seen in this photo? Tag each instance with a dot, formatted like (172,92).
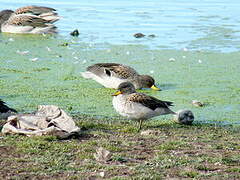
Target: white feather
(106,81)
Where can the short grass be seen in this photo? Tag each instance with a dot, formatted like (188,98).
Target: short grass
(199,151)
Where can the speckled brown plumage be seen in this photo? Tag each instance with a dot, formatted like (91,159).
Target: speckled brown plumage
(121,71)
(22,20)
(148,101)
(36,10)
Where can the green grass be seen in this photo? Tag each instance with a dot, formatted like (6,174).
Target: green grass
(173,151)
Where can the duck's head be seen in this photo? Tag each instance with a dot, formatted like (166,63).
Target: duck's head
(125,88)
(147,81)
(5,15)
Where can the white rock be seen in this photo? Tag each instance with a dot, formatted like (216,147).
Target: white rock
(172,59)
(102,155)
(22,52)
(149,132)
(48,49)
(33,59)
(197,103)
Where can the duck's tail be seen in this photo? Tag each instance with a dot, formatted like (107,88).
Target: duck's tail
(4,108)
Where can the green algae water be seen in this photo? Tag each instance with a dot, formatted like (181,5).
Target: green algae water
(194,55)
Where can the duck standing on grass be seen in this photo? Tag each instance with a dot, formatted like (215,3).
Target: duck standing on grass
(110,75)
(138,106)
(29,20)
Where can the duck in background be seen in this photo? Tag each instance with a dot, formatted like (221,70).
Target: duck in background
(111,75)
(29,20)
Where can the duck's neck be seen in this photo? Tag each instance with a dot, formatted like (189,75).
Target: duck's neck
(137,82)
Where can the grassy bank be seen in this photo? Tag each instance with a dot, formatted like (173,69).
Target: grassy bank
(169,150)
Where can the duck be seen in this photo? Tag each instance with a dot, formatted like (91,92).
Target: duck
(138,106)
(5,111)
(29,20)
(111,75)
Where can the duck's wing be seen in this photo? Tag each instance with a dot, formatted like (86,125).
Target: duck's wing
(27,20)
(46,13)
(149,101)
(112,69)
(4,108)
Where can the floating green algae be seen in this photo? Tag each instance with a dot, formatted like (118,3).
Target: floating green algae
(38,70)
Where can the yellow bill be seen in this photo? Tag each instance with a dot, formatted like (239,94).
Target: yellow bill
(117,93)
(155,88)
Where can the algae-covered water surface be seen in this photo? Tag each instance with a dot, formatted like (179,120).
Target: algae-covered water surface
(46,70)
(192,55)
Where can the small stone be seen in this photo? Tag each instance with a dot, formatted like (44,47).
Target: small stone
(22,52)
(75,33)
(197,103)
(48,49)
(152,35)
(64,44)
(102,155)
(149,132)
(10,39)
(34,59)
(139,35)
(184,117)
(102,174)
(172,59)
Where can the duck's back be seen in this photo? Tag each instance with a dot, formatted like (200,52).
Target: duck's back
(112,69)
(110,75)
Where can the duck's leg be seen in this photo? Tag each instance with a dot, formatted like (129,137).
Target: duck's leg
(140,124)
